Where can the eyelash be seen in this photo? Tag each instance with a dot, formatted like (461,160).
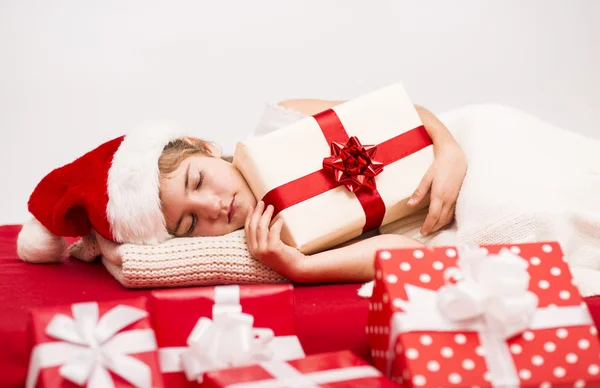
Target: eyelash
(200,181)
(193,225)
(194,219)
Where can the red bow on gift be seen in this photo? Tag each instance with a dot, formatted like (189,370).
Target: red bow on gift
(352,164)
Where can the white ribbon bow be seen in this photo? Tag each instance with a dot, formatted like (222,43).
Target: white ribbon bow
(487,294)
(229,340)
(492,287)
(89,347)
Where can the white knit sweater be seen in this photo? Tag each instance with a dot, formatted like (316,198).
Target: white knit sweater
(527,181)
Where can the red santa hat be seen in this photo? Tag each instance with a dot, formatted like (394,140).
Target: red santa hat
(113,190)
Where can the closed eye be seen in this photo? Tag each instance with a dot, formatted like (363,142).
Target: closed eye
(200,181)
(192,225)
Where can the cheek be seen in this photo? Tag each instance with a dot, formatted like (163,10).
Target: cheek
(168,202)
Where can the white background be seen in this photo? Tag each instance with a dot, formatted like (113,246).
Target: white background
(76,73)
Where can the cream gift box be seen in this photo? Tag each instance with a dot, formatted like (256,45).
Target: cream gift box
(324,178)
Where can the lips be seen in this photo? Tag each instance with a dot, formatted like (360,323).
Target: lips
(231,211)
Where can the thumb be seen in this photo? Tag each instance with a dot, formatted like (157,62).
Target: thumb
(421,191)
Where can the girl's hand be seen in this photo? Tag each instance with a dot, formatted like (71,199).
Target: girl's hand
(265,244)
(443,180)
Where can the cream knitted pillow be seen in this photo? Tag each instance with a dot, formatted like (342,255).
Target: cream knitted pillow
(178,262)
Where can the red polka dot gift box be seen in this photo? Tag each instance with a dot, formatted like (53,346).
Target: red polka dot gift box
(485,316)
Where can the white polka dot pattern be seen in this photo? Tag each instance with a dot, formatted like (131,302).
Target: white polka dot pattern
(562,333)
(564,295)
(433,366)
(412,354)
(454,378)
(468,364)
(537,360)
(525,374)
(419,380)
(447,352)
(583,344)
(385,255)
(418,254)
(391,278)
(528,336)
(549,347)
(426,340)
(460,339)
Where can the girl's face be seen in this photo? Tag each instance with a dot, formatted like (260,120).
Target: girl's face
(205,196)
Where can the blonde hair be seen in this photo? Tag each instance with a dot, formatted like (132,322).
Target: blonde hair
(178,150)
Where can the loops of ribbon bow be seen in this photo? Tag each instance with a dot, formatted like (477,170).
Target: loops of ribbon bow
(352,164)
(229,340)
(90,346)
(494,287)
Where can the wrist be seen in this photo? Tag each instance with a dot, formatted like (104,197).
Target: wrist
(302,270)
(436,130)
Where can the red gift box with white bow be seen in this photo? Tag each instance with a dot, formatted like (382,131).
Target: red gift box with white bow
(495,315)
(337,369)
(210,328)
(93,344)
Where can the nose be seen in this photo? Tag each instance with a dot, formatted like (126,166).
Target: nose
(211,206)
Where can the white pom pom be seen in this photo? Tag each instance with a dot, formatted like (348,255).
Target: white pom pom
(36,244)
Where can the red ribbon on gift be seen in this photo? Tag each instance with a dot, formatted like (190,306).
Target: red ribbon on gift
(323,180)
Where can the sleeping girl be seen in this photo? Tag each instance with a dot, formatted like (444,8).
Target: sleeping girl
(526,181)
(152,185)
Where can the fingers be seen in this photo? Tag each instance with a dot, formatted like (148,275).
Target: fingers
(256,226)
(252,219)
(275,235)
(442,221)
(422,190)
(435,210)
(250,239)
(262,231)
(451,214)
(446,216)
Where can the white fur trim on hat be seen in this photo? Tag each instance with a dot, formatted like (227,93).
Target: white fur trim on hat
(134,207)
(36,244)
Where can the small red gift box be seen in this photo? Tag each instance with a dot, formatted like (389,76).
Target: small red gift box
(495,315)
(208,328)
(338,369)
(97,344)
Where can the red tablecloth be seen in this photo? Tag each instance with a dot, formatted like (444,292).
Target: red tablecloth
(328,317)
